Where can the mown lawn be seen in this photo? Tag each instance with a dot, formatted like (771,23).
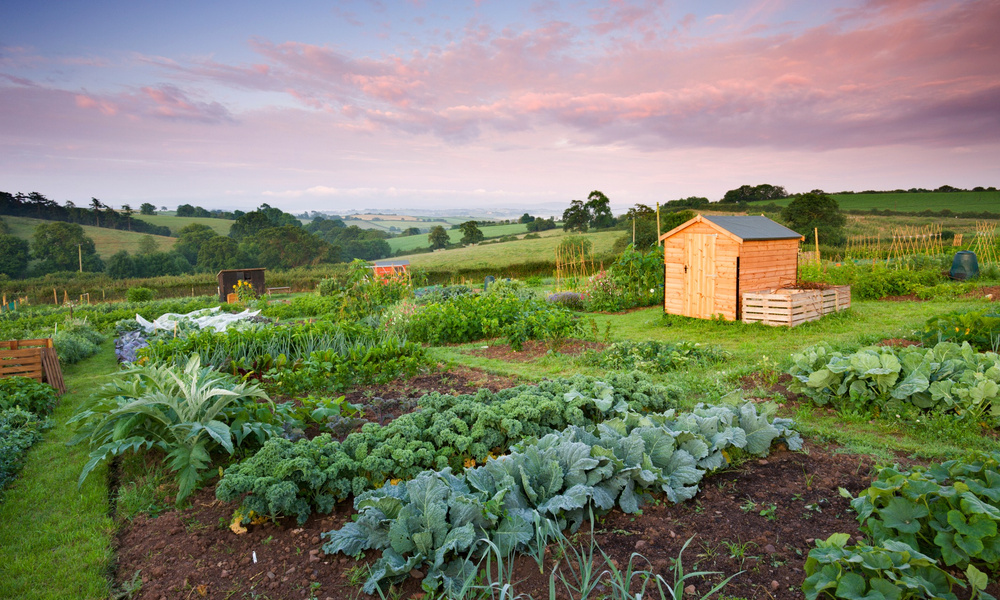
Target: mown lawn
(56,539)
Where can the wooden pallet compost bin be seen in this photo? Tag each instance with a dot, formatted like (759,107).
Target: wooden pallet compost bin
(790,307)
(36,359)
(709,260)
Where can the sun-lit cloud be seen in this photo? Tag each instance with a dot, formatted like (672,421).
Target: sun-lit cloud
(553,94)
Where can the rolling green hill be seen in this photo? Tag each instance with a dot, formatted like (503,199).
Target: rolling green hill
(412,242)
(508,253)
(107,241)
(918,201)
(221,226)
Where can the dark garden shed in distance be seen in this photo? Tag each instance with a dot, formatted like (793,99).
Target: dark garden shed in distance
(230,277)
(710,261)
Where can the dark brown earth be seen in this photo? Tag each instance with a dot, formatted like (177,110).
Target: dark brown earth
(760,518)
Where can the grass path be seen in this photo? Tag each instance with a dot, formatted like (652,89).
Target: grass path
(55,539)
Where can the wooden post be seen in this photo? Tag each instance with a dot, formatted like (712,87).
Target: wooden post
(816,239)
(633,232)
(66,300)
(657,223)
(79,251)
(55,298)
(103,296)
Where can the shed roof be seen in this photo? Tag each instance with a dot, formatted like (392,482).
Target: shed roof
(753,228)
(239,270)
(743,228)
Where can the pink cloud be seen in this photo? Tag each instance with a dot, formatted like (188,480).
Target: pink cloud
(163,102)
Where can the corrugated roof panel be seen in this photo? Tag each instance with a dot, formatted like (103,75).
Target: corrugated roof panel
(753,228)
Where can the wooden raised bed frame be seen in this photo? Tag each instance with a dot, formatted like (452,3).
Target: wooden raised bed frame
(36,359)
(791,307)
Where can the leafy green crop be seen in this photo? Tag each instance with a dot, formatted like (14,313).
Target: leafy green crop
(945,378)
(516,502)
(465,318)
(447,431)
(186,412)
(891,570)
(24,392)
(981,329)
(652,356)
(19,430)
(948,511)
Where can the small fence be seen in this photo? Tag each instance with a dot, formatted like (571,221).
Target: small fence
(791,307)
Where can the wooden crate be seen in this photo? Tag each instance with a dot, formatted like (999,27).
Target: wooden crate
(791,307)
(36,359)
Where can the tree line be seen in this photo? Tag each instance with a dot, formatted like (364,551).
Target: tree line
(37,206)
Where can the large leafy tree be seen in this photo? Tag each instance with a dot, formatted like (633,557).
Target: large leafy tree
(576,217)
(754,193)
(120,265)
(60,245)
(14,255)
(147,209)
(471,233)
(599,207)
(286,247)
(816,211)
(190,239)
(217,253)
(438,237)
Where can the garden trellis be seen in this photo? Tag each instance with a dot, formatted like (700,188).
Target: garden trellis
(574,264)
(985,242)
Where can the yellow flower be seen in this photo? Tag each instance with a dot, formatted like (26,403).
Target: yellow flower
(469,463)
(395,481)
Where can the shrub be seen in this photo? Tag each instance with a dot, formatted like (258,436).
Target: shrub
(139,294)
(571,300)
(28,394)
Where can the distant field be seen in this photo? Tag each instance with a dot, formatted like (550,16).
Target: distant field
(107,241)
(508,253)
(388,225)
(221,226)
(412,242)
(918,201)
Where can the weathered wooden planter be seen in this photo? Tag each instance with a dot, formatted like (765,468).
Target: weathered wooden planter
(791,307)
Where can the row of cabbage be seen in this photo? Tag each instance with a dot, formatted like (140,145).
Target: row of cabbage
(442,522)
(946,378)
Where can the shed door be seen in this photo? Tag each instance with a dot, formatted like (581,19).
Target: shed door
(699,274)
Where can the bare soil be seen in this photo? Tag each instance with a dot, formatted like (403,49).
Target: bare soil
(760,518)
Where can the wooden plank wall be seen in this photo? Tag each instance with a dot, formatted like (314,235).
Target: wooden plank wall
(768,264)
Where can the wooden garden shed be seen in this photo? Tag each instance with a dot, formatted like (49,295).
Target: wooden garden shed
(230,277)
(710,261)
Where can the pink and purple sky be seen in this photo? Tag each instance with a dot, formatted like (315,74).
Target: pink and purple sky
(346,105)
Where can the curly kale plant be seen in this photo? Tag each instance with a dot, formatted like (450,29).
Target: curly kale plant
(443,522)
(446,431)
